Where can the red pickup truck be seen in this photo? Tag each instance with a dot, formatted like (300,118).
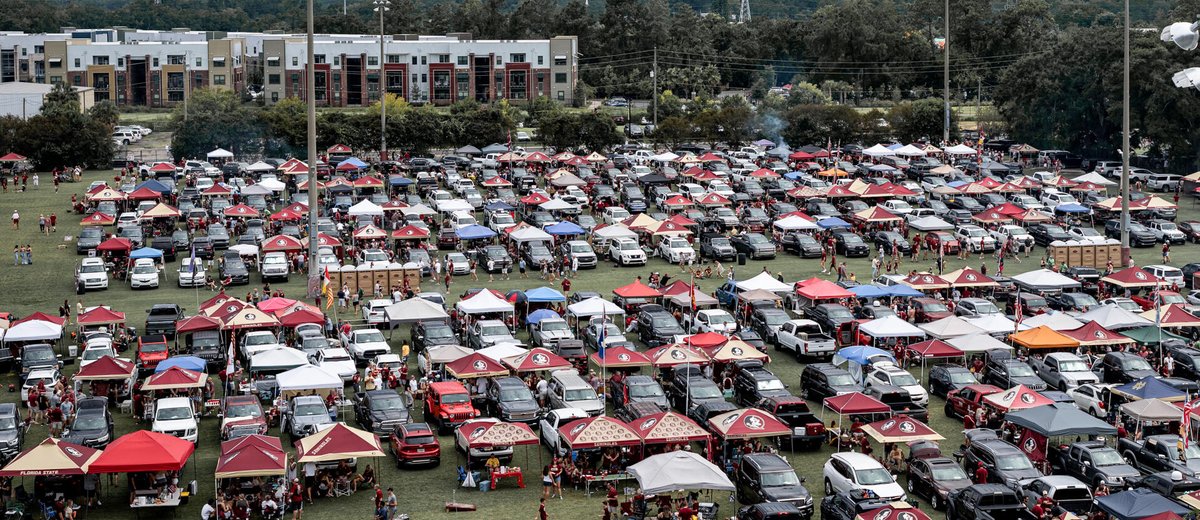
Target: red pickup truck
(1165,298)
(964,401)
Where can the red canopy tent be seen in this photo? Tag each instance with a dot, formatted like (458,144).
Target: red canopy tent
(285,214)
(537,359)
(52,457)
(1008,208)
(410,232)
(747,423)
(856,403)
(1132,277)
(837,191)
(275,304)
(144,193)
(669,428)
(818,289)
(116,245)
(163,167)
(100,316)
(893,511)
(339,149)
(196,323)
(934,348)
(475,365)
(251,456)
(298,317)
(107,368)
(338,442)
(282,243)
(490,434)
(620,357)
(1094,334)
(41,316)
(368,182)
(901,428)
(676,354)
(706,340)
(217,190)
(1019,397)
(12,157)
(241,210)
(98,219)
(534,199)
(143,451)
(598,432)
(734,350)
(637,289)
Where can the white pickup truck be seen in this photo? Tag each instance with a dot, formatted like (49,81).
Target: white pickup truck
(804,338)
(365,344)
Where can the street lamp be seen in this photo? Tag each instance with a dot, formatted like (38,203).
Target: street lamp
(381,6)
(1185,35)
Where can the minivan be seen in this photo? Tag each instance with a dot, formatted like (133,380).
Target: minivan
(568,390)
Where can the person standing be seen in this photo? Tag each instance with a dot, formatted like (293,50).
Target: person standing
(296,498)
(16,220)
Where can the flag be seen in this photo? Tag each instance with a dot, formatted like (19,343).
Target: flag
(1185,425)
(692,293)
(229,367)
(1157,306)
(192,262)
(326,288)
(1017,311)
(600,335)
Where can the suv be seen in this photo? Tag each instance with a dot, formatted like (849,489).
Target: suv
(92,426)
(626,251)
(753,385)
(975,239)
(12,431)
(754,246)
(175,416)
(717,247)
(161,318)
(830,316)
(509,399)
(493,259)
(637,389)
(427,334)
(485,333)
(304,416)
(35,356)
(89,237)
(1007,373)
(91,274)
(767,477)
(1003,461)
(447,405)
(415,443)
(166,245)
(771,511)
(274,267)
(151,351)
(856,471)
(242,415)
(656,325)
(581,252)
(568,390)
(1124,367)
(380,411)
(821,380)
(985,502)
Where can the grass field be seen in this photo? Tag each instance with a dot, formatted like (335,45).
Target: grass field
(44,285)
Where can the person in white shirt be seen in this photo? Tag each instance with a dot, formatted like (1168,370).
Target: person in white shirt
(207,512)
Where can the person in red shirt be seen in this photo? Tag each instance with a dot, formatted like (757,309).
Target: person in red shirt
(542,515)
(981,474)
(566,285)
(296,497)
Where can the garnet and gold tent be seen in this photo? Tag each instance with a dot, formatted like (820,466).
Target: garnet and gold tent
(901,428)
(490,433)
(598,432)
(338,442)
(51,457)
(747,423)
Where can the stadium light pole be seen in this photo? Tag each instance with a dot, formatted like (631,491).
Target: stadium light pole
(314,272)
(1125,251)
(381,6)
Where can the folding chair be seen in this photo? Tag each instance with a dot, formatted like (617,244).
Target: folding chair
(342,488)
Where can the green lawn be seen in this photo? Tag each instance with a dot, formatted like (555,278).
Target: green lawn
(48,282)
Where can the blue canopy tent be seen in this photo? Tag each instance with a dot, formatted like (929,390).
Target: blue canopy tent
(398,181)
(154,185)
(184,362)
(358,163)
(903,291)
(499,206)
(895,146)
(859,356)
(1071,208)
(832,222)
(146,252)
(539,315)
(1149,387)
(544,295)
(868,291)
(474,232)
(793,175)
(564,228)
(1139,503)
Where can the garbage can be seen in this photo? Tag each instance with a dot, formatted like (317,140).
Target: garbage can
(741,258)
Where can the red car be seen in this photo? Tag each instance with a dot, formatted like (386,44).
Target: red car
(935,239)
(447,405)
(964,401)
(151,351)
(242,415)
(926,310)
(415,444)
(1165,298)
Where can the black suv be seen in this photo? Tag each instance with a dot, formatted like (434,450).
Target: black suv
(887,238)
(637,389)
(985,502)
(1044,234)
(944,379)
(1124,367)
(716,246)
(1010,372)
(821,380)
(772,511)
(850,245)
(767,477)
(703,412)
(830,316)
(12,431)
(848,504)
(754,245)
(233,270)
(1093,462)
(656,325)
(93,425)
(37,355)
(690,388)
(752,385)
(509,399)
(161,318)
(1003,461)
(1139,234)
(89,238)
(427,334)
(802,244)
(766,322)
(493,259)
(1187,363)
(380,411)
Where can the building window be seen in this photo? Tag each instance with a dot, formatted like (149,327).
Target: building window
(295,61)
(273,79)
(319,59)
(393,58)
(423,59)
(499,61)
(414,78)
(541,83)
(175,86)
(176,59)
(424,78)
(273,62)
(516,58)
(99,60)
(54,80)
(199,80)
(462,61)
(39,49)
(55,63)
(77,63)
(462,85)
(274,97)
(562,96)
(120,62)
(77,80)
(541,59)
(319,84)
(414,60)
(218,79)
(560,61)
(199,62)
(394,83)
(372,61)
(518,81)
(443,58)
(218,62)
(296,84)
(560,77)
(156,63)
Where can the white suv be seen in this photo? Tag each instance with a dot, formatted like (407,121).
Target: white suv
(91,274)
(274,267)
(1166,273)
(626,251)
(175,416)
(852,471)
(676,250)
(975,239)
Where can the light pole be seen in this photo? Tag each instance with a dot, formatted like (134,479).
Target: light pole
(946,78)
(1125,149)
(381,6)
(314,271)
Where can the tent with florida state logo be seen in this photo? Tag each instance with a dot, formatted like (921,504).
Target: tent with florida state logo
(747,423)
(1016,398)
(598,432)
(1039,423)
(893,511)
(901,428)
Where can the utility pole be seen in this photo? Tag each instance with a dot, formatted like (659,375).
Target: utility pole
(978,101)
(314,270)
(654,76)
(1125,149)
(382,7)
(946,78)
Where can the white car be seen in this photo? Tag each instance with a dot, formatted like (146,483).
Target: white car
(175,416)
(676,250)
(626,251)
(721,188)
(192,272)
(96,348)
(1086,235)
(885,373)
(615,214)
(336,360)
(1014,235)
(128,218)
(500,221)
(373,312)
(1124,303)
(853,471)
(1090,398)
(1193,297)
(691,190)
(50,376)
(713,320)
(1026,201)
(523,137)
(91,274)
(144,274)
(1166,231)
(275,266)
(375,258)
(258,341)
(1056,198)
(1166,273)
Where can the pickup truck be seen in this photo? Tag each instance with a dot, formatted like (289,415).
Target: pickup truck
(1062,370)
(804,338)
(548,332)
(1160,453)
(807,430)
(899,400)
(553,420)
(986,502)
(161,318)
(1093,462)
(365,344)
(304,416)
(964,401)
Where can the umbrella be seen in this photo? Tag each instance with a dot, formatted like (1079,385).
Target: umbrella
(678,470)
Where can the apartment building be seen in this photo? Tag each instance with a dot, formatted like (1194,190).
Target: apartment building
(162,68)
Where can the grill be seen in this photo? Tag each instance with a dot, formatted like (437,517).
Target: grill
(522,417)
(388,426)
(176,433)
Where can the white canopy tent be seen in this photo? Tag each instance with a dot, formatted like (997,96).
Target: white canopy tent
(557,205)
(677,471)
(442,354)
(890,327)
(308,377)
(909,150)
(949,327)
(930,223)
(482,303)
(996,324)
(272,184)
(530,234)
(277,359)
(615,231)
(255,189)
(1044,280)
(413,310)
(1056,320)
(795,223)
(960,149)
(366,207)
(764,281)
(420,210)
(260,167)
(502,351)
(1094,178)
(594,306)
(664,157)
(33,331)
(1113,317)
(978,342)
(452,205)
(879,151)
(220,153)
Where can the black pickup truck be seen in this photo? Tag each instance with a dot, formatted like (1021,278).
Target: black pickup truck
(899,400)
(161,318)
(807,431)
(986,502)
(1094,463)
(1160,453)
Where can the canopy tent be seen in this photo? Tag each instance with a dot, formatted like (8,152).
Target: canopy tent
(637,289)
(1172,316)
(735,350)
(544,295)
(614,231)
(879,150)
(855,403)
(1094,178)
(960,149)
(894,511)
(967,277)
(930,223)
(174,378)
(246,457)
(116,245)
(620,357)
(33,331)
(539,315)
(143,451)
(220,153)
(500,351)
(1151,336)
(1132,277)
(365,208)
(763,281)
(474,232)
(100,316)
(1152,410)
(338,442)
(594,306)
(598,432)
(483,302)
(1044,280)
(535,360)
(279,358)
(1093,334)
(413,310)
(832,222)
(747,423)
(978,342)
(475,365)
(485,434)
(1113,317)
(296,317)
(669,428)
(705,340)
(1056,320)
(934,348)
(98,219)
(676,354)
(106,368)
(308,377)
(1138,504)
(950,327)
(250,318)
(1061,419)
(1149,387)
(192,363)
(795,223)
(820,289)
(529,234)
(996,324)
(41,316)
(1043,337)
(51,457)
(926,282)
(901,428)
(1017,398)
(678,470)
(442,354)
(890,327)
(146,252)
